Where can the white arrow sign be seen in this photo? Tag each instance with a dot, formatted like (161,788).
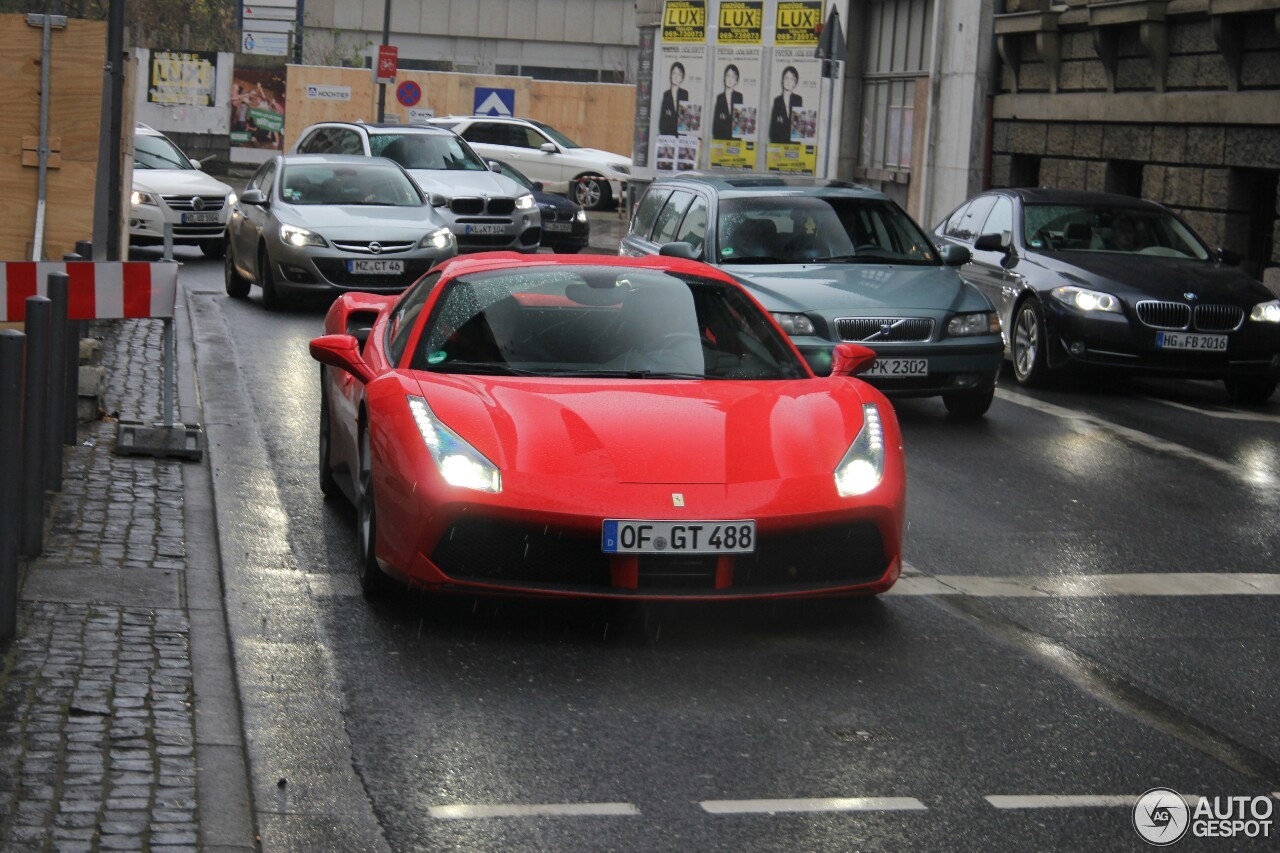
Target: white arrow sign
(493,105)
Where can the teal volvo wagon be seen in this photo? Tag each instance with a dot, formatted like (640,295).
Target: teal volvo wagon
(836,262)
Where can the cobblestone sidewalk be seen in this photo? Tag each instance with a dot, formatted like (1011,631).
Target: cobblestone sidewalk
(96,716)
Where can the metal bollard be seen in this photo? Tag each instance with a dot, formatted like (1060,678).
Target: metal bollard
(84,248)
(34,411)
(58,334)
(12,344)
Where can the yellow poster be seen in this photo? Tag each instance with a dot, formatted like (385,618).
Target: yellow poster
(797,22)
(684,21)
(791,158)
(740,22)
(733,154)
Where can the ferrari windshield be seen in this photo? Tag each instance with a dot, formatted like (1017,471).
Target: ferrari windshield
(1104,228)
(621,322)
(440,151)
(366,184)
(797,229)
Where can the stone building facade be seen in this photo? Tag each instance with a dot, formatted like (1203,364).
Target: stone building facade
(1173,100)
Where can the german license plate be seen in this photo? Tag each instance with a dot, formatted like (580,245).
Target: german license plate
(631,536)
(1184,340)
(365,266)
(198,218)
(485,229)
(898,367)
(556,226)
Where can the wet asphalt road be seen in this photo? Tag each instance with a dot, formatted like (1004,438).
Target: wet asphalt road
(664,713)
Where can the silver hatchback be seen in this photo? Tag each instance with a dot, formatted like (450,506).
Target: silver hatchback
(328,224)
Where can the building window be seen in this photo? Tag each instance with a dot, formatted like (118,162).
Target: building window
(897,51)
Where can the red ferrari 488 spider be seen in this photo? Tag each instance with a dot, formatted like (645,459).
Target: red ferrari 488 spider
(605,427)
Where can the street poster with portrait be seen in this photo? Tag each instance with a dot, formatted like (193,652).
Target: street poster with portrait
(182,78)
(736,83)
(257,108)
(796,86)
(680,74)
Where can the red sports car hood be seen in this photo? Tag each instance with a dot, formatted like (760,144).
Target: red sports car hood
(661,431)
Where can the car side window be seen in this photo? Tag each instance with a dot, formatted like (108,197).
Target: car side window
(265,178)
(304,147)
(485,133)
(405,314)
(693,228)
(974,215)
(532,138)
(347,142)
(652,202)
(952,224)
(1000,221)
(664,230)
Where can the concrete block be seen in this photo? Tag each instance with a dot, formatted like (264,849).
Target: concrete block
(1071,77)
(1126,142)
(90,351)
(1093,76)
(1271,276)
(1259,70)
(1253,147)
(1078,45)
(1210,226)
(92,380)
(1152,183)
(1212,73)
(1134,74)
(1096,176)
(1049,172)
(1000,169)
(1000,136)
(1183,72)
(1183,186)
(1087,140)
(1073,174)
(1213,191)
(1059,141)
(1028,137)
(1033,77)
(1205,145)
(1191,37)
(1168,143)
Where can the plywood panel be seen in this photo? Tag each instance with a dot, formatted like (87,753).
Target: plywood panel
(301,111)
(75,92)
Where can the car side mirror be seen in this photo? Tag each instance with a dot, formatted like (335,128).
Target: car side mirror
(495,166)
(679,250)
(955,256)
(254,196)
(195,164)
(990,243)
(438,200)
(537,186)
(342,352)
(848,359)
(549,148)
(1228,257)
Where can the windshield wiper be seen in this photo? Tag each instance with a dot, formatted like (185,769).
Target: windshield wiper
(486,368)
(625,374)
(758,259)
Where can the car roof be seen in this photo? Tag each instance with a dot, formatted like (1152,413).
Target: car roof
(516,119)
(1050,195)
(490,261)
(384,127)
(347,159)
(753,186)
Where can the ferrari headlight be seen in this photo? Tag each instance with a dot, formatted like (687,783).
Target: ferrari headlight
(460,464)
(1266,312)
(1087,300)
(862,467)
(580,216)
(441,238)
(524,202)
(795,324)
(981,323)
(620,168)
(295,236)
(138,198)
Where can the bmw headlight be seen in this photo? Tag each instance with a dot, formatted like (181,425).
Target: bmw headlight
(620,168)
(441,238)
(142,198)
(459,463)
(580,216)
(862,467)
(524,202)
(795,324)
(295,236)
(1266,312)
(1087,300)
(980,323)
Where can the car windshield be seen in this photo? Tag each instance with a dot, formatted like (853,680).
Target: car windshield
(795,229)
(440,151)
(1106,228)
(601,321)
(157,152)
(362,184)
(561,140)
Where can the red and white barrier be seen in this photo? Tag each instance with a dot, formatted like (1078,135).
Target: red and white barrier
(108,290)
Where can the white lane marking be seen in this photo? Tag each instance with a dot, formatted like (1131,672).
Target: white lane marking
(1142,439)
(474,811)
(823,804)
(1093,586)
(1071,801)
(1226,414)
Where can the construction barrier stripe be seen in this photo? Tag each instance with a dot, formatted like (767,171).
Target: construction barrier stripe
(110,290)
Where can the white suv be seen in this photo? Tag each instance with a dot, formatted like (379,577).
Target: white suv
(169,188)
(591,177)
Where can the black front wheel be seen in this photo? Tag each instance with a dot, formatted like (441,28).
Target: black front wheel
(1030,364)
(271,298)
(328,483)
(237,285)
(373,582)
